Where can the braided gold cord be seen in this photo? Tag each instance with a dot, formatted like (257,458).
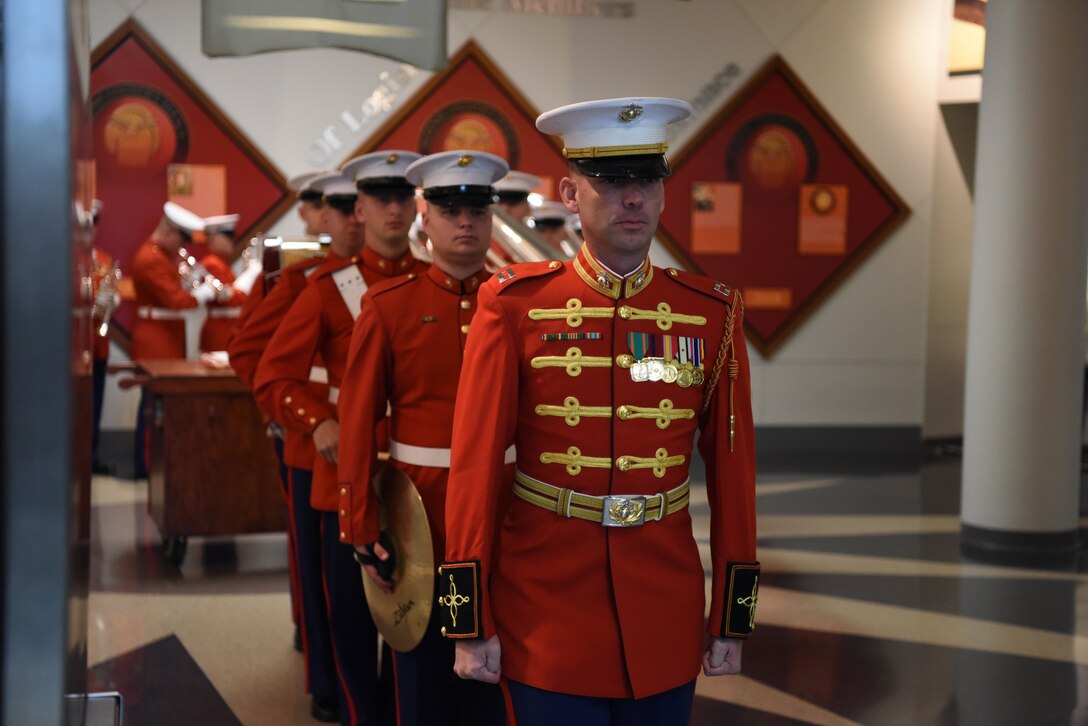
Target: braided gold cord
(727,341)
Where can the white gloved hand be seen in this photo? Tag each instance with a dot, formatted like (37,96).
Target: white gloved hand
(244,281)
(204,294)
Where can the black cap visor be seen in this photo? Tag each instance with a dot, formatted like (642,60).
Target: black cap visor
(548,223)
(309,195)
(462,195)
(386,186)
(512,197)
(646,166)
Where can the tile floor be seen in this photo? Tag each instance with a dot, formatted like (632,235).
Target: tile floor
(868,614)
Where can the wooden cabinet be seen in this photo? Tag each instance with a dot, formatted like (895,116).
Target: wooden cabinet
(212,470)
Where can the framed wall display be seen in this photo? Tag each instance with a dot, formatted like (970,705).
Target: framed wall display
(157,136)
(772,196)
(473,105)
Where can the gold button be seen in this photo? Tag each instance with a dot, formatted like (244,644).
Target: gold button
(287,400)
(355,258)
(381,264)
(440,569)
(553,264)
(625,360)
(464,329)
(411,275)
(673,272)
(343,536)
(623,463)
(466,304)
(343,513)
(343,491)
(449,282)
(312,420)
(443,630)
(623,412)
(624,312)
(302,412)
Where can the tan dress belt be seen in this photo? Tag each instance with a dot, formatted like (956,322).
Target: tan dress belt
(612,511)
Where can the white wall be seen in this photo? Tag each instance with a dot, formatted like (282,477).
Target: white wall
(861,358)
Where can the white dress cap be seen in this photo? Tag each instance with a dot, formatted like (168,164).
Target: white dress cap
(182,218)
(457,168)
(299,182)
(221,223)
(379,165)
(519,182)
(614,127)
(333,184)
(550,211)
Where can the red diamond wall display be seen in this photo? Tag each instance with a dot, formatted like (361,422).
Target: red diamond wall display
(773,198)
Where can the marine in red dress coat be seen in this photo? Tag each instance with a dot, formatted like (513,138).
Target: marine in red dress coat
(406,354)
(601,380)
(161,298)
(318,327)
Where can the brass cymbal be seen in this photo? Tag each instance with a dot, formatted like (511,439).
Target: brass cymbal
(402,615)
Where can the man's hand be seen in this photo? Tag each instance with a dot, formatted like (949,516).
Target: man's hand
(372,572)
(721,656)
(327,439)
(478,660)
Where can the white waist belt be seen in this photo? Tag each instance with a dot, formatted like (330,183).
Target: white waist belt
(319,374)
(427,456)
(334,393)
(149,313)
(234,312)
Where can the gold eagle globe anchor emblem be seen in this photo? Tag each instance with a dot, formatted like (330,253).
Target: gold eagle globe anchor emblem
(626,512)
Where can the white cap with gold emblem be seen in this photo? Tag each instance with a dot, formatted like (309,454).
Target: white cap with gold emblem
(516,186)
(458,178)
(381,173)
(617,137)
(333,184)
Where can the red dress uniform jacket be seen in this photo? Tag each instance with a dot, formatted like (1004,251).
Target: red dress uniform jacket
(318,326)
(251,340)
(581,608)
(222,316)
(159,330)
(406,352)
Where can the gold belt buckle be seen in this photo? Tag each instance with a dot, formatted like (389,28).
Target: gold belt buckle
(623,511)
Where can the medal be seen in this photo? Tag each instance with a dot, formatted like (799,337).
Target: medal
(683,378)
(639,372)
(671,372)
(655,369)
(697,377)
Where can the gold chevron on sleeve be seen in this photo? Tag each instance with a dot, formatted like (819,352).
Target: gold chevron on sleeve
(660,462)
(574,461)
(573,361)
(574,313)
(665,413)
(572,411)
(663,316)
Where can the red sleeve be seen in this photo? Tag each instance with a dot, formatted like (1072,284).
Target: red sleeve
(158,279)
(250,342)
(364,395)
(730,480)
(280,384)
(253,299)
(488,383)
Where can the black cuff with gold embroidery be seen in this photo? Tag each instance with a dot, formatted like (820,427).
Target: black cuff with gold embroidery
(458,599)
(741,595)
